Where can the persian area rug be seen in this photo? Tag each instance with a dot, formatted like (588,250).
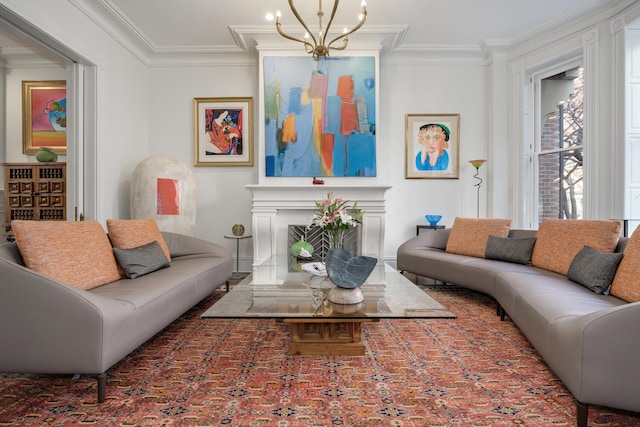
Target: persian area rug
(473,370)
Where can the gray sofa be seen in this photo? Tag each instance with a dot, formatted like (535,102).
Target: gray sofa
(590,341)
(49,327)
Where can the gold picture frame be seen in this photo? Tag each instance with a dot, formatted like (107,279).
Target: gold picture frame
(223,131)
(432,146)
(44,116)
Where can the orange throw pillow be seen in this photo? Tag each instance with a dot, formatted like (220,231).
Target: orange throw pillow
(469,236)
(558,241)
(626,283)
(132,233)
(76,253)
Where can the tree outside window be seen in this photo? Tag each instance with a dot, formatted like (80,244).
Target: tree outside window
(559,159)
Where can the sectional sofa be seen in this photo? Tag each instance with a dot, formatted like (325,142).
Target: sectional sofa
(554,284)
(67,306)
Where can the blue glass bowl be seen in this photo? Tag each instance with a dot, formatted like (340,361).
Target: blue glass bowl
(433,219)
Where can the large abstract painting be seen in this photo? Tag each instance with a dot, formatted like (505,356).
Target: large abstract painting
(320,116)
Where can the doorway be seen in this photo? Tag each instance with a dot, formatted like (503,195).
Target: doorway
(81,76)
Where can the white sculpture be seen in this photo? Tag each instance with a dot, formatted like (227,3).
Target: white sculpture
(164,188)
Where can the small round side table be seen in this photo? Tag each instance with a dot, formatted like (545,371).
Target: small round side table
(237,274)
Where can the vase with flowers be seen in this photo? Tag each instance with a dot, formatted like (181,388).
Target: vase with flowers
(335,218)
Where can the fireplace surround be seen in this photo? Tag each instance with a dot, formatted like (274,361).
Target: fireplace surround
(275,207)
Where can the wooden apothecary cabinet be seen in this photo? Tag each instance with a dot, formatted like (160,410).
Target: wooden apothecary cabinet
(34,191)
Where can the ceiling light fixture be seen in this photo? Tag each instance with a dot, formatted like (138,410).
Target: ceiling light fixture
(317,47)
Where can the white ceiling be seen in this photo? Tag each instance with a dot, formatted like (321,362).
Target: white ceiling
(417,24)
(175,26)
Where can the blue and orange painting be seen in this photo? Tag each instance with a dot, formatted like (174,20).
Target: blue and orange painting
(320,116)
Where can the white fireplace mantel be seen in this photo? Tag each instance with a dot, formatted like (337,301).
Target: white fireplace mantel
(275,207)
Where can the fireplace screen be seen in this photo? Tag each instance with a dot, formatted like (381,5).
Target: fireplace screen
(320,241)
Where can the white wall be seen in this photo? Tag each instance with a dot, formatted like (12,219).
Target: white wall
(123,117)
(13,107)
(428,89)
(425,89)
(149,110)
(595,42)
(223,199)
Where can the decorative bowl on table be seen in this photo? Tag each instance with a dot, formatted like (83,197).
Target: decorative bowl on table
(433,219)
(302,250)
(237,230)
(346,270)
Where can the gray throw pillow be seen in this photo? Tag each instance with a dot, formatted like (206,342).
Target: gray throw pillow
(516,250)
(594,269)
(136,262)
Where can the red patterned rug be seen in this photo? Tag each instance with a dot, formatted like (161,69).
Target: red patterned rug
(470,371)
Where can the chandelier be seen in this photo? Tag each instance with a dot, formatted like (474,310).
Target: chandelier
(318,47)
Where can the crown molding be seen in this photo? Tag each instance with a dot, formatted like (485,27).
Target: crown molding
(388,39)
(248,36)
(19,57)
(116,26)
(568,26)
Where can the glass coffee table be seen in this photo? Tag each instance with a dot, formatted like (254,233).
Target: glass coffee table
(283,289)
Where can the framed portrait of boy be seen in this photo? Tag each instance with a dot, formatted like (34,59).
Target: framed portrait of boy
(432,145)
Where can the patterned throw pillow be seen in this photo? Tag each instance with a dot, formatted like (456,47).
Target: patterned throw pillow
(626,283)
(76,253)
(145,259)
(469,235)
(507,249)
(131,233)
(558,241)
(594,269)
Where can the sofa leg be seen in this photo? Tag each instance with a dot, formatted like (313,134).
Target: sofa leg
(501,313)
(102,387)
(582,414)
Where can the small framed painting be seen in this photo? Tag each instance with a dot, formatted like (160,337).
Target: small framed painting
(44,116)
(432,145)
(223,131)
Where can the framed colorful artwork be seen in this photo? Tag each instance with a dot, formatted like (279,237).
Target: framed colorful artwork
(223,131)
(44,116)
(319,116)
(432,145)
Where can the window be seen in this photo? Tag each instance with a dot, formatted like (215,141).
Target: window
(558,153)
(632,128)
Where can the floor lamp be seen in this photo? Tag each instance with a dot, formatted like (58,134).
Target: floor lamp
(476,164)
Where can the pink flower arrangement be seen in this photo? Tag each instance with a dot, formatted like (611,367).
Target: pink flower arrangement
(334,216)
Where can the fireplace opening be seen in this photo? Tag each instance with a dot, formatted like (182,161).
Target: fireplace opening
(320,241)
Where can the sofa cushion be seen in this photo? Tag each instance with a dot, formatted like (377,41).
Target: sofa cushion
(76,253)
(131,233)
(558,241)
(145,259)
(509,249)
(626,283)
(594,269)
(469,235)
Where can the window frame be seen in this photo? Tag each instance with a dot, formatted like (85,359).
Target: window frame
(534,140)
